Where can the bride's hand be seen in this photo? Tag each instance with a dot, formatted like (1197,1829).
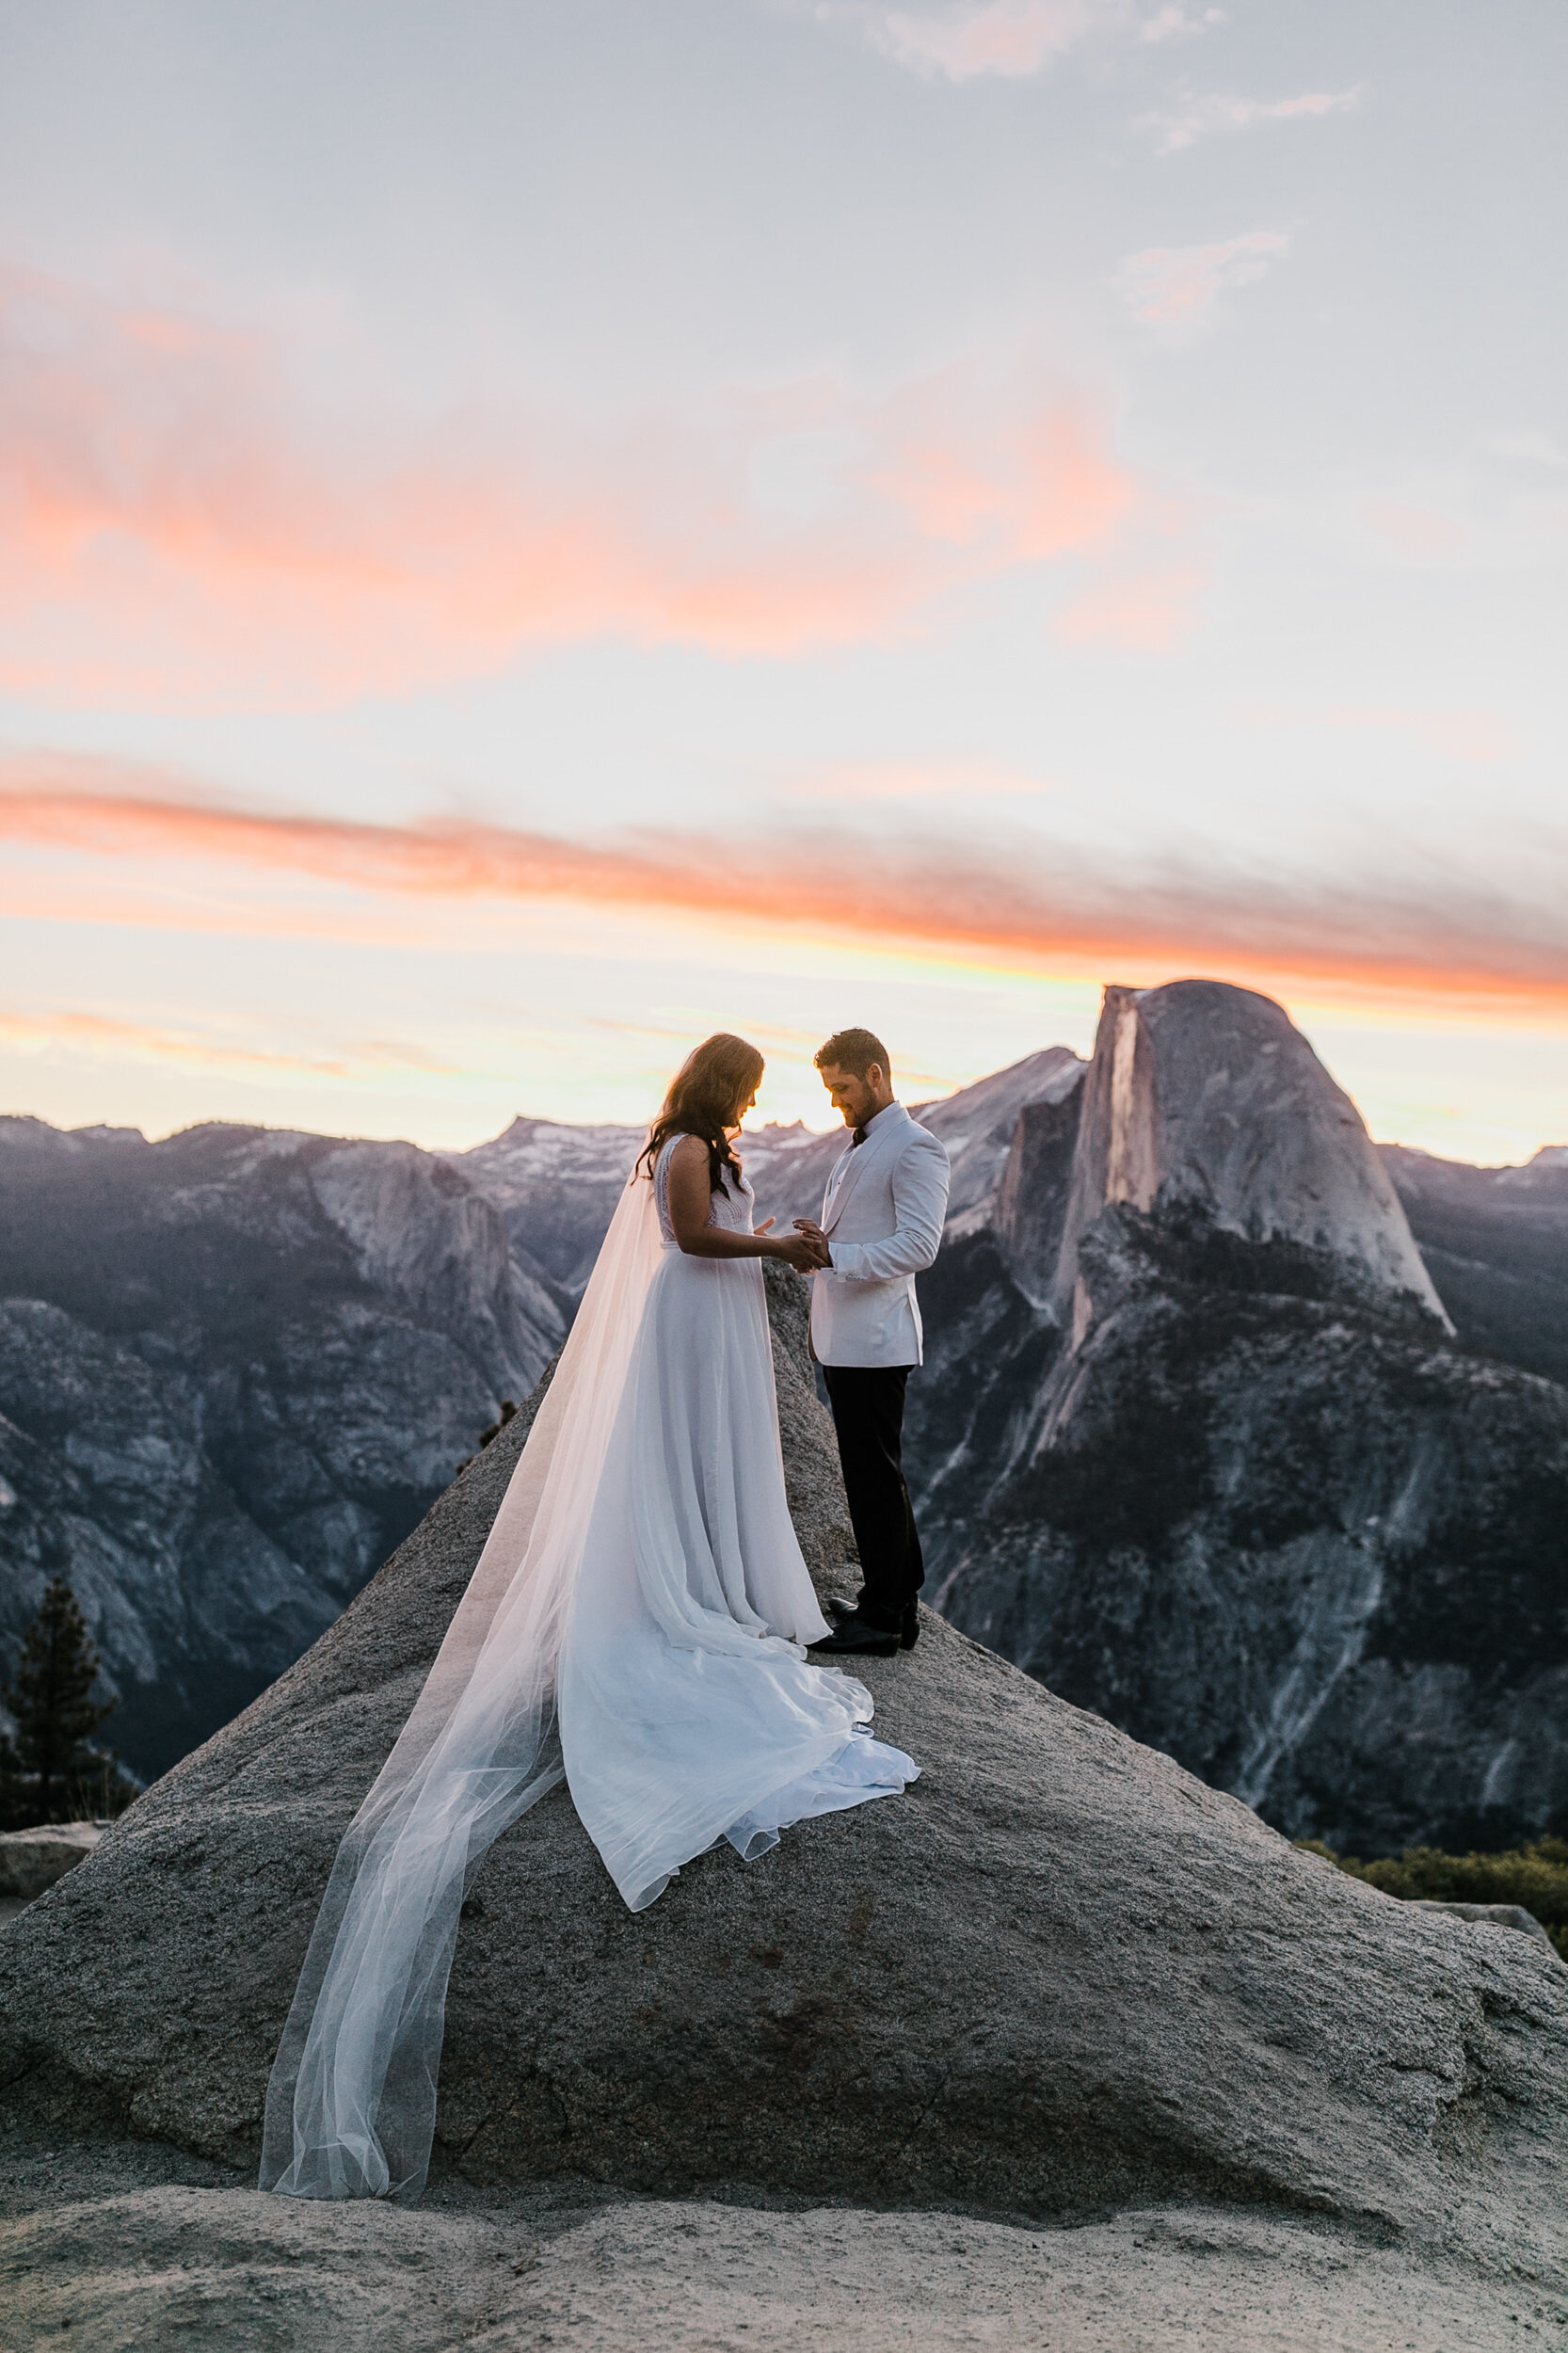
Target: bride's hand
(801,1251)
(767,1225)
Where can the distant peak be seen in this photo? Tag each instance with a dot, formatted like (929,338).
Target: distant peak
(1204,1099)
(22,1129)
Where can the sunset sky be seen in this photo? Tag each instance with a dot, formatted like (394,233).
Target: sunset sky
(532,531)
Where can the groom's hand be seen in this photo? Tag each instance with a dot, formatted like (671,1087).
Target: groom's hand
(813,1234)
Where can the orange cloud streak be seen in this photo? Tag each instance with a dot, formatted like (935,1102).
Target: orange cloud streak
(95,1033)
(1449,939)
(180,522)
(99,1034)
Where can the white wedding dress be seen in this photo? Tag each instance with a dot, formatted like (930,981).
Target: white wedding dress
(635,1624)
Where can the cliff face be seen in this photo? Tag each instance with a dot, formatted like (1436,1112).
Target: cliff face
(1206,1102)
(555,1187)
(234,1370)
(1496,1244)
(1199,1449)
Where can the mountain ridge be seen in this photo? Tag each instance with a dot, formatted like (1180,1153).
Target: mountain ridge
(314,1329)
(1218,1466)
(235,1368)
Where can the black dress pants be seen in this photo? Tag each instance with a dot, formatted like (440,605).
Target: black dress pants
(868,1414)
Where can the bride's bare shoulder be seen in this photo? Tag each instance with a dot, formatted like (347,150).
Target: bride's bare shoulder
(688,1152)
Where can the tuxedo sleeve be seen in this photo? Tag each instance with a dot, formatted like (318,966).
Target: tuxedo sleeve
(919,1205)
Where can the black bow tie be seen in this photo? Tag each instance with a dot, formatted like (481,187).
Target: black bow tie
(859,1137)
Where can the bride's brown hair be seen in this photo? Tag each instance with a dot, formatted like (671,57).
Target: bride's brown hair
(707,1095)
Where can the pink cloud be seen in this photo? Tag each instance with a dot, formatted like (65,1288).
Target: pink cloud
(1169,285)
(94,1033)
(1220,111)
(1166,23)
(102,1036)
(1046,489)
(1007,39)
(184,525)
(1149,611)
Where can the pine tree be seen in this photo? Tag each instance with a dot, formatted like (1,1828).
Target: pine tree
(51,1701)
(16,1812)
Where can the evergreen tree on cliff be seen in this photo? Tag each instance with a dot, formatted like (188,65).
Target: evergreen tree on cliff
(53,1704)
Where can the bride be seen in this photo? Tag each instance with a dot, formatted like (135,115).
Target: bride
(635,1626)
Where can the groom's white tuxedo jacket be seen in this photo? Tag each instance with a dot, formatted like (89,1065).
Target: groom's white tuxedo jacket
(882,1214)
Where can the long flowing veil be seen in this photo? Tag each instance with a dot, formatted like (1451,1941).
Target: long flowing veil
(351,2103)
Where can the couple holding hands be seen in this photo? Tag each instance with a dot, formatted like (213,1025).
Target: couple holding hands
(639,1622)
(881,1226)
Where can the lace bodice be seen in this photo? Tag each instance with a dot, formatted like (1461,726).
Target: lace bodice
(728,1207)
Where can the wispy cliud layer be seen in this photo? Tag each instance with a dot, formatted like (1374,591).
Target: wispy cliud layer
(100,1035)
(180,522)
(1001,38)
(1178,285)
(139,1041)
(1425,934)
(1225,110)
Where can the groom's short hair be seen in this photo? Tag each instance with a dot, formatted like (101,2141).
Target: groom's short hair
(854,1050)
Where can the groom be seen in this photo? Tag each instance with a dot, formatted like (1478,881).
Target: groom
(881,1225)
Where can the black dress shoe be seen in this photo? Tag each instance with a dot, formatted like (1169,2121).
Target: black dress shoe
(909,1625)
(853,1638)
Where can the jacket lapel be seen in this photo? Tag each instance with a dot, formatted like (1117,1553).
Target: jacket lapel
(842,1184)
(844,1180)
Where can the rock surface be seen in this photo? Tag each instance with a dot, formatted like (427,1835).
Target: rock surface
(1512,1916)
(127,2261)
(1058,1975)
(32,1860)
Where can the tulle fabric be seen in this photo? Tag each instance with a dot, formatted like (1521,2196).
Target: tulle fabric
(351,2103)
(636,1624)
